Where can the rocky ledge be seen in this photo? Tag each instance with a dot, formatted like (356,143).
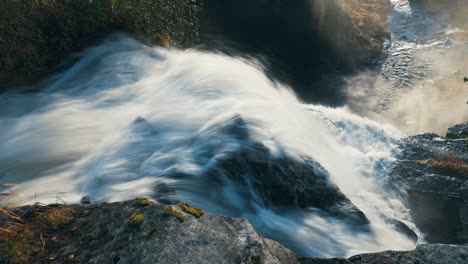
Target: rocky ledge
(141,231)
(432,175)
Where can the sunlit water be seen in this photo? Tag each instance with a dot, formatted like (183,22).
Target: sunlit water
(421,51)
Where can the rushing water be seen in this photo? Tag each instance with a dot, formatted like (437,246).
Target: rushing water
(128,120)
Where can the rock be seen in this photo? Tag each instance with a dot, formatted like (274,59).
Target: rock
(85,200)
(403,228)
(432,175)
(458,131)
(427,254)
(278,180)
(101,232)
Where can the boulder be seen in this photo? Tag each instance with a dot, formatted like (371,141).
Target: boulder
(135,232)
(458,131)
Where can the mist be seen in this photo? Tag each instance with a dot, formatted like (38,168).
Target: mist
(420,88)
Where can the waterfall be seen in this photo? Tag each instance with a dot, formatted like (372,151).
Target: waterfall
(128,120)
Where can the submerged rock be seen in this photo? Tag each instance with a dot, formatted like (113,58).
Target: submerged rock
(274,180)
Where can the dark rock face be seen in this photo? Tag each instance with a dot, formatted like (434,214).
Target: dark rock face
(427,254)
(433,171)
(458,131)
(304,43)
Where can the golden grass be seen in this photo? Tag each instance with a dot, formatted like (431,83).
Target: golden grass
(197,212)
(171,211)
(448,165)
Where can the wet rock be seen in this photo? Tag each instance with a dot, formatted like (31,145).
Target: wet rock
(432,173)
(458,131)
(279,180)
(403,228)
(85,200)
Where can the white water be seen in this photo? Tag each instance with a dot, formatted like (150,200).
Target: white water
(79,137)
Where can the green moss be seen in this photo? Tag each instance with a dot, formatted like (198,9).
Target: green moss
(171,211)
(136,219)
(143,202)
(151,231)
(197,212)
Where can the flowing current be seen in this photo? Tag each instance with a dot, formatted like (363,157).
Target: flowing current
(128,120)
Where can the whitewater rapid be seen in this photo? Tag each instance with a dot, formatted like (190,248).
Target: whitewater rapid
(126,116)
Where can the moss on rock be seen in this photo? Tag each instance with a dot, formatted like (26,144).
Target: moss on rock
(171,211)
(136,219)
(143,202)
(197,212)
(37,35)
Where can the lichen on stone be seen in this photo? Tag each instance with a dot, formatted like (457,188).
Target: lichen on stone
(136,219)
(171,211)
(143,202)
(197,212)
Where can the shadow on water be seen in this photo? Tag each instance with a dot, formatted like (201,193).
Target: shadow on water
(285,35)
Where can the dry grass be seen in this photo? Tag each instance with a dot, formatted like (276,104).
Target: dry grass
(197,212)
(38,34)
(447,164)
(24,240)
